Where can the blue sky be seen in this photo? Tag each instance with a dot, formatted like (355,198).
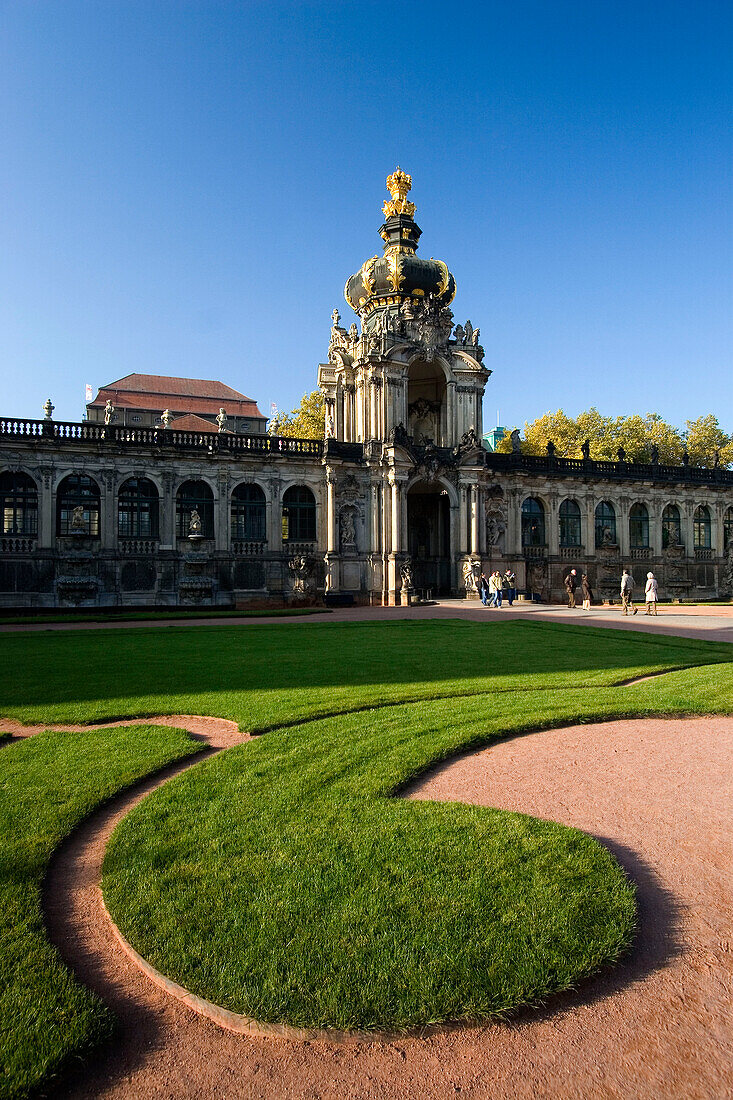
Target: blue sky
(185,186)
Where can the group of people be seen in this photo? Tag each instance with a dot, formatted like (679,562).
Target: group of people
(496,586)
(627,592)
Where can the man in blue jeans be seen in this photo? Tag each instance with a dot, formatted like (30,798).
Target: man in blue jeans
(509,582)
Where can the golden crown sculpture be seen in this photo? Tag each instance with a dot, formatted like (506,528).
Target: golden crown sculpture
(398,184)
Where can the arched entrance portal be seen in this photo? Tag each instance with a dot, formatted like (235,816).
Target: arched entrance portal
(428,538)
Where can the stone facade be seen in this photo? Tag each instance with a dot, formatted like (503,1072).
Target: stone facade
(399,501)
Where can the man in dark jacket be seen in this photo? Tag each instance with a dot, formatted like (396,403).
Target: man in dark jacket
(570,587)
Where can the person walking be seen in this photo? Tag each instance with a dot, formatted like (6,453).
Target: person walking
(483,587)
(627,593)
(650,594)
(570,587)
(495,588)
(510,586)
(587,592)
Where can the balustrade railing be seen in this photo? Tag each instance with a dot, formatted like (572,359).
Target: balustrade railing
(138,546)
(640,553)
(704,553)
(555,466)
(534,551)
(247,549)
(61,431)
(17,544)
(571,551)
(298,549)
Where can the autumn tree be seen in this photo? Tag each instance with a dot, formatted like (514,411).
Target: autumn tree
(307,421)
(704,437)
(637,435)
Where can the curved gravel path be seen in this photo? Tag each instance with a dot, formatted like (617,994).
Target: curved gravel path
(657,792)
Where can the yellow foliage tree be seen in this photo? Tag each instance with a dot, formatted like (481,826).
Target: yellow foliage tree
(704,437)
(638,435)
(308,421)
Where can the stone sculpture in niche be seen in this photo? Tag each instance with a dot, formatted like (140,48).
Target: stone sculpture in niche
(78,522)
(348,530)
(195,525)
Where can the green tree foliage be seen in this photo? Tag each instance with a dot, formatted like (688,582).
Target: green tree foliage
(308,421)
(636,434)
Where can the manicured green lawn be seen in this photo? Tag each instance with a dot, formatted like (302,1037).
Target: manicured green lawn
(48,784)
(267,675)
(281,878)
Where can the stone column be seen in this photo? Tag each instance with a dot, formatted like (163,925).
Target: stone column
(168,513)
(360,427)
(553,532)
(385,538)
(716,527)
(274,517)
(339,413)
(374,502)
(395,581)
(463,491)
(655,508)
(687,513)
(332,564)
(473,490)
(222,512)
(46,510)
(396,516)
(108,511)
(513,537)
(622,526)
(331,510)
(451,418)
(589,534)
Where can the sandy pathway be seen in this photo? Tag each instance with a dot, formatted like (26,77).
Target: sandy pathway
(657,792)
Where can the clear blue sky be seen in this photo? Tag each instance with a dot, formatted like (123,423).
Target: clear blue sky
(185,186)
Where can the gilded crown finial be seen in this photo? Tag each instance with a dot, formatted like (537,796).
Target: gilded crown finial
(398,184)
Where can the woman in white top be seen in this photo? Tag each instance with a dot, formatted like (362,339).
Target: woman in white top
(650,594)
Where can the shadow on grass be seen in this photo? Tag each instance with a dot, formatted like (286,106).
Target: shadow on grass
(60,668)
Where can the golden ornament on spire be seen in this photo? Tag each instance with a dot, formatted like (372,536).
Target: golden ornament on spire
(398,184)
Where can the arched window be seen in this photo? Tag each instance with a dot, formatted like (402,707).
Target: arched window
(728,529)
(533,523)
(605,524)
(299,515)
(671,526)
(19,497)
(77,506)
(248,513)
(194,496)
(638,526)
(701,528)
(137,509)
(569,523)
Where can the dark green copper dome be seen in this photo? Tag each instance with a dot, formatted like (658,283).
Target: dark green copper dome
(399,275)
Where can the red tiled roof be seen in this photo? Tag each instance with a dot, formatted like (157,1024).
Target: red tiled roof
(182,395)
(191,423)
